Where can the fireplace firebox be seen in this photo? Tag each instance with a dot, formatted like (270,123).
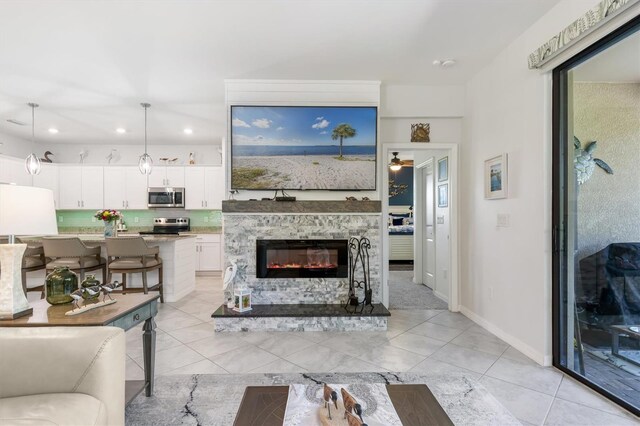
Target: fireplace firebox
(302,259)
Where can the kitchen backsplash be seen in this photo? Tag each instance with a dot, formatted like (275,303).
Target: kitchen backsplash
(84,218)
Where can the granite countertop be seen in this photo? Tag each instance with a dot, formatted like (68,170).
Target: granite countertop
(133,230)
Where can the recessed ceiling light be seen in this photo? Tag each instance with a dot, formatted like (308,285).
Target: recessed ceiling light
(53,130)
(188,131)
(121,130)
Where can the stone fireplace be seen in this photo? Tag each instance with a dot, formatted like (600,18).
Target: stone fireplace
(247,222)
(296,253)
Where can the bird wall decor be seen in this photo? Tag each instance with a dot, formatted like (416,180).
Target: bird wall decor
(584,163)
(46,158)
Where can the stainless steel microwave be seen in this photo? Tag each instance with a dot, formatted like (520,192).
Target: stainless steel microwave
(165,197)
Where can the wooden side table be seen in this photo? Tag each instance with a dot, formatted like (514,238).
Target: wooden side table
(129,311)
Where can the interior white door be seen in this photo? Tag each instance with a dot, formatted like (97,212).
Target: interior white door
(429,234)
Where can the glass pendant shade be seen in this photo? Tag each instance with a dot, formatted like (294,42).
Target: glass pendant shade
(145,164)
(395,167)
(32,164)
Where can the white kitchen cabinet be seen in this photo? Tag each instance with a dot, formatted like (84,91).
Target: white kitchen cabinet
(12,171)
(162,176)
(208,253)
(125,188)
(204,187)
(48,178)
(81,187)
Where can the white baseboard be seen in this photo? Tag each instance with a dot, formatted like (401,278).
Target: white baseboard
(544,360)
(441,296)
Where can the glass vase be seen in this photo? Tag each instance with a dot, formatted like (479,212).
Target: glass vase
(110,229)
(60,284)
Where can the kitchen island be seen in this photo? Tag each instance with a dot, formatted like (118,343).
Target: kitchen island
(176,251)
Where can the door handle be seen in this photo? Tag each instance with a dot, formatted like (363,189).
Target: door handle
(82,203)
(122,203)
(78,203)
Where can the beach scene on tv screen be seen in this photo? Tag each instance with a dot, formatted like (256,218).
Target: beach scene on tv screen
(303,147)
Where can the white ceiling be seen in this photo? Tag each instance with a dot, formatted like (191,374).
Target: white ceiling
(90,63)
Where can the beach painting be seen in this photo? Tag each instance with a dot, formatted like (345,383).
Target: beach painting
(496,177)
(305,148)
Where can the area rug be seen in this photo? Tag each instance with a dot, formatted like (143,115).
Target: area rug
(208,399)
(405,294)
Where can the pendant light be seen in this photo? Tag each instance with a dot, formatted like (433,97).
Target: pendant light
(145,164)
(32,163)
(395,164)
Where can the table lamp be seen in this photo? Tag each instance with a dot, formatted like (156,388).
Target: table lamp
(24,210)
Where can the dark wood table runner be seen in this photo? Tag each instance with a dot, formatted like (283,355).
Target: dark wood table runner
(415,405)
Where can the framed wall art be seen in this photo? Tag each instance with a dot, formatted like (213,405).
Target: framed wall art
(496,177)
(443,169)
(443,195)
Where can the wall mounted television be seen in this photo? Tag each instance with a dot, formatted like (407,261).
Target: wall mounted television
(303,148)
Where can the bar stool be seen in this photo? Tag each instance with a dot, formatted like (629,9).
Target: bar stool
(74,254)
(130,255)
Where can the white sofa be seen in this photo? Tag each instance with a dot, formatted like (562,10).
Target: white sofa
(62,376)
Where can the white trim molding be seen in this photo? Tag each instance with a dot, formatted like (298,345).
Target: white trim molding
(595,18)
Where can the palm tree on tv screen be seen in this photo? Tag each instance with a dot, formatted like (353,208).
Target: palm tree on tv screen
(342,131)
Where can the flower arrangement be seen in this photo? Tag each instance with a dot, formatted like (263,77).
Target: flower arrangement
(108,215)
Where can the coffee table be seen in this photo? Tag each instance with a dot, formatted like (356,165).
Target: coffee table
(129,311)
(415,405)
(616,332)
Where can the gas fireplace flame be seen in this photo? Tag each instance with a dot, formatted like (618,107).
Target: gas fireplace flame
(276,265)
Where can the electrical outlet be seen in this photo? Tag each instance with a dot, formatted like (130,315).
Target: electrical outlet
(440,220)
(490,293)
(445,274)
(93,219)
(206,219)
(503,220)
(136,220)
(60,219)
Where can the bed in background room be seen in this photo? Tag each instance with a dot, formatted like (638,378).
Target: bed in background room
(400,233)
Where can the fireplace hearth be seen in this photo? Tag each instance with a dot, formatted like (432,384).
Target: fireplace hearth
(302,259)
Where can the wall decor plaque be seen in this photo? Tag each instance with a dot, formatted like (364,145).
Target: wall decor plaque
(420,132)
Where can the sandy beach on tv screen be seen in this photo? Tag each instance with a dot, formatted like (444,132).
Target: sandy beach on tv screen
(304,171)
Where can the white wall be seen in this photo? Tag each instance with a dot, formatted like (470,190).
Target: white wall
(15,147)
(506,272)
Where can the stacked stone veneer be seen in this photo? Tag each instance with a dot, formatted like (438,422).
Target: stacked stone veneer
(349,323)
(241,230)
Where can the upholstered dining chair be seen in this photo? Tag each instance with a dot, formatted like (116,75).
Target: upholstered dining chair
(74,254)
(130,255)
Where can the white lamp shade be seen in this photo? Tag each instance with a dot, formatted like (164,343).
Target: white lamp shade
(25,210)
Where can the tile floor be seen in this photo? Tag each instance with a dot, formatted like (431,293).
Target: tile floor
(425,341)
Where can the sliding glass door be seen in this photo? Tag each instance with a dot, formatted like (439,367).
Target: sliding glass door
(596,214)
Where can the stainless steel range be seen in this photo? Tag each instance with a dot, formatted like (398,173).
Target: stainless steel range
(168,226)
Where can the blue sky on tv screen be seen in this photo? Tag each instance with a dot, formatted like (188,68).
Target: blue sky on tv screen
(300,126)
